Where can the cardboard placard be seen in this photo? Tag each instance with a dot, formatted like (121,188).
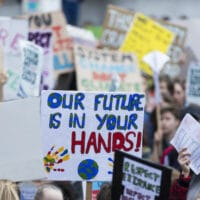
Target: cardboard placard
(135,178)
(20,144)
(82,130)
(44,39)
(116,24)
(187,136)
(9,39)
(62,43)
(95,70)
(144,36)
(32,63)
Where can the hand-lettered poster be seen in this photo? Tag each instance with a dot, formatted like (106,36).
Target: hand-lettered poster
(135,178)
(9,39)
(116,24)
(82,130)
(187,136)
(62,43)
(32,67)
(96,68)
(146,35)
(44,39)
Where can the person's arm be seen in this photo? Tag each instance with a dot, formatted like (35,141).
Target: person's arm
(157,147)
(180,187)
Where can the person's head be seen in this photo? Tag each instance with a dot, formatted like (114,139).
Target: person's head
(48,192)
(8,190)
(179,92)
(166,86)
(105,192)
(170,119)
(167,100)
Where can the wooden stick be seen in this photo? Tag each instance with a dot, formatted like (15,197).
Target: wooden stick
(89,191)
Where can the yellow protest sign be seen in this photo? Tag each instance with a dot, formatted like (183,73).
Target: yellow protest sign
(144,36)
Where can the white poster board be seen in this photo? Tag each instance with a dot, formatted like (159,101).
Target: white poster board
(187,136)
(32,62)
(81,131)
(20,144)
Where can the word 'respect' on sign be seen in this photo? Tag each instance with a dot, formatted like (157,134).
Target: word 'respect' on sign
(135,178)
(82,130)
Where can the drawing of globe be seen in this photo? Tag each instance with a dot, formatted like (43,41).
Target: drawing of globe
(88,169)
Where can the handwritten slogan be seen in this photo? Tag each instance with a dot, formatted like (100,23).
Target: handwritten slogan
(116,24)
(62,43)
(81,131)
(135,178)
(95,70)
(9,40)
(146,35)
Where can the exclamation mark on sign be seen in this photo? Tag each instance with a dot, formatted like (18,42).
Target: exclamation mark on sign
(138,143)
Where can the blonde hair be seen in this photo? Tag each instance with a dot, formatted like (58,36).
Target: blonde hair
(8,190)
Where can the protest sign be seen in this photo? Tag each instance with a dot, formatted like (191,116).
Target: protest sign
(193,84)
(95,70)
(81,36)
(9,39)
(176,50)
(116,24)
(191,52)
(81,131)
(20,144)
(44,39)
(187,136)
(62,43)
(144,36)
(32,62)
(135,178)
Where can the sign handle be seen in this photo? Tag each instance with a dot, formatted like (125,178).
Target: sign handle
(89,190)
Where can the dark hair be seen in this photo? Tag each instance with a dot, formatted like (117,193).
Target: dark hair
(179,81)
(167,79)
(173,110)
(105,192)
(67,189)
(192,109)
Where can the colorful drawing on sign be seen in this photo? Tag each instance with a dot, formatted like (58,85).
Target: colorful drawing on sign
(54,158)
(88,169)
(144,36)
(106,70)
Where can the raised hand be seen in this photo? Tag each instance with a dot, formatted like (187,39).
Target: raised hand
(184,161)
